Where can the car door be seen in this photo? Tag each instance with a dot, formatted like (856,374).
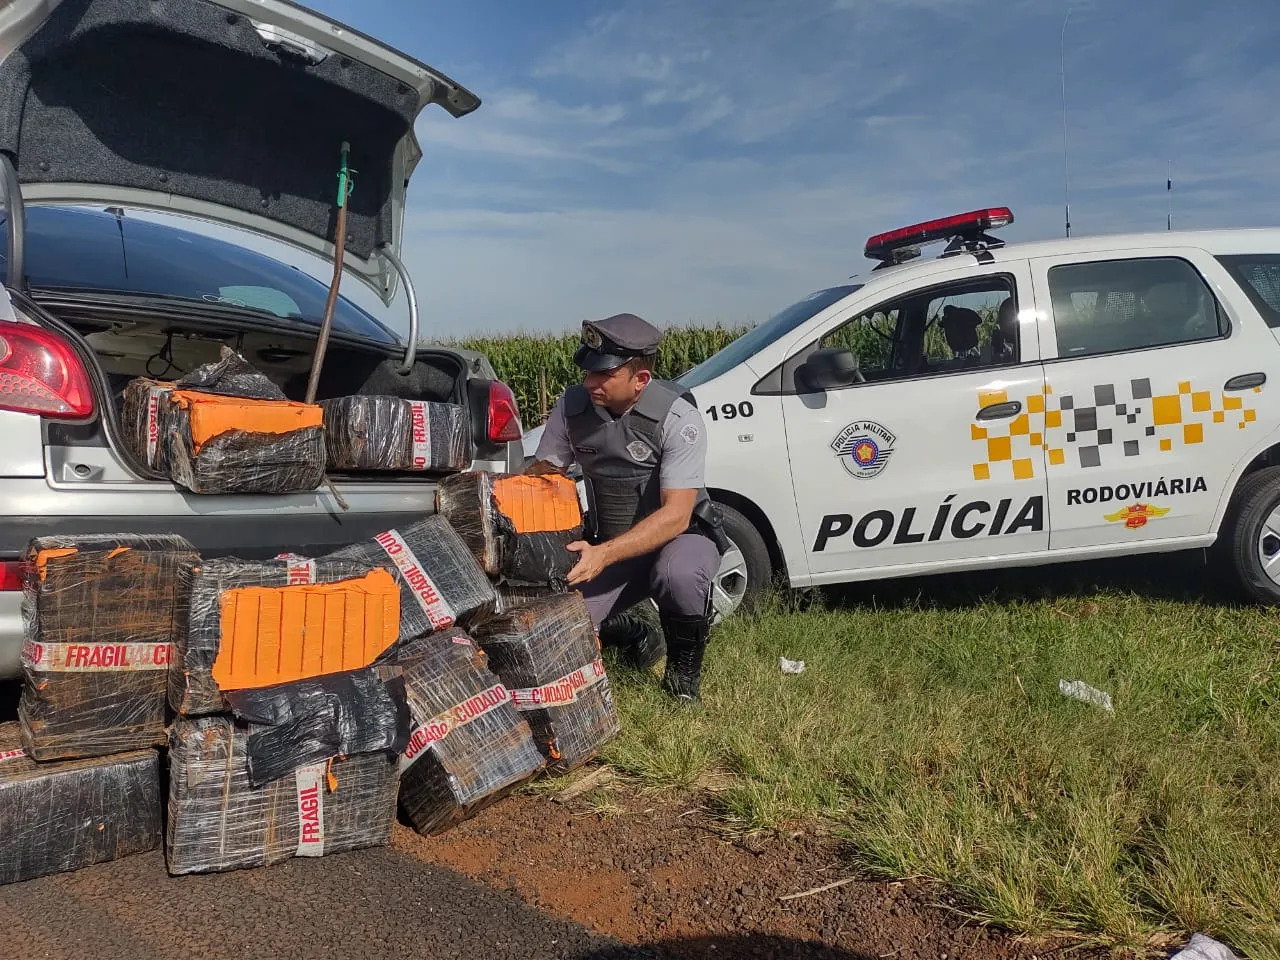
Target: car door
(1154,384)
(933,458)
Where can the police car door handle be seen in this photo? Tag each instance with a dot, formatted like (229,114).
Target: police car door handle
(1246,381)
(999,411)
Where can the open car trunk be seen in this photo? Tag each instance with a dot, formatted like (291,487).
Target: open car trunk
(126,342)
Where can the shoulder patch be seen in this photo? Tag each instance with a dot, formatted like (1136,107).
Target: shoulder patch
(689,433)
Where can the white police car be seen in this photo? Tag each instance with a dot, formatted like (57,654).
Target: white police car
(1006,405)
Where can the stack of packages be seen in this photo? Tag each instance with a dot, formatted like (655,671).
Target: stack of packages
(287,732)
(79,774)
(468,746)
(225,428)
(539,639)
(548,655)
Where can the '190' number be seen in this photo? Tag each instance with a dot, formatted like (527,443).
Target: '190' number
(730,412)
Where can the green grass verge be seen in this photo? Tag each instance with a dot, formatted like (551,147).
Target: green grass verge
(932,735)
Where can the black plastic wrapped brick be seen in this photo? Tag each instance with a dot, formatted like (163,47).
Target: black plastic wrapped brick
(388,433)
(441,582)
(469,747)
(70,814)
(517,526)
(219,821)
(192,688)
(100,613)
(312,720)
(262,442)
(230,376)
(547,654)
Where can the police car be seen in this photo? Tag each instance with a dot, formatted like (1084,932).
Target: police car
(1004,405)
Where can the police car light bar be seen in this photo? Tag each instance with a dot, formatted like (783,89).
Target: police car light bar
(966,226)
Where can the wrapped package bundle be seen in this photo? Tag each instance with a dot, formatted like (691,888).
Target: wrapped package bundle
(441,583)
(517,526)
(387,433)
(219,821)
(144,426)
(296,724)
(100,614)
(231,376)
(511,596)
(546,653)
(469,747)
(140,418)
(257,624)
(70,814)
(226,445)
(231,430)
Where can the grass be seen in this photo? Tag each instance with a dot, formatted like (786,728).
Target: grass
(928,730)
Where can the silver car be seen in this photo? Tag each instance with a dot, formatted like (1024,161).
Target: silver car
(232,113)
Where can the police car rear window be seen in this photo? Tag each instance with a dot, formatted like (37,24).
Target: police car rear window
(1259,275)
(1134,303)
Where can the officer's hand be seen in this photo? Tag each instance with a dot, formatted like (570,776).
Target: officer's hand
(591,561)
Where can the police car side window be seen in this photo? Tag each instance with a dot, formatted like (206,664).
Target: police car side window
(971,325)
(1112,306)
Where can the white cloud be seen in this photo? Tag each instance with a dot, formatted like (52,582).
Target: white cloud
(695,160)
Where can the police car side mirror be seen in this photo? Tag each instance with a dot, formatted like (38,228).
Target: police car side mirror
(830,368)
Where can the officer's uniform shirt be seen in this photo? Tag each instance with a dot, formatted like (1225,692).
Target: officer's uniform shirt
(683,459)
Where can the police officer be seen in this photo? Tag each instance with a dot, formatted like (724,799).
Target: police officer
(651,529)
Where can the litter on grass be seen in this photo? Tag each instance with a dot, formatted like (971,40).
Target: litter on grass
(1079,690)
(791,666)
(1200,947)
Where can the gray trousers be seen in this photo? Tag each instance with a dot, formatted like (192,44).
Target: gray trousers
(677,577)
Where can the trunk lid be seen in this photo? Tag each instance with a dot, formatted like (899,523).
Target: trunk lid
(234,111)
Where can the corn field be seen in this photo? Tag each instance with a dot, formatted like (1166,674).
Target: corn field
(539,368)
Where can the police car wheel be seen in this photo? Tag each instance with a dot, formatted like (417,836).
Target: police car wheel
(745,571)
(1254,535)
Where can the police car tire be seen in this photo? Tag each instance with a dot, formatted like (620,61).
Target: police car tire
(1256,498)
(755,554)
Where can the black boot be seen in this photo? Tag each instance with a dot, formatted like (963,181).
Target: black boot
(686,644)
(640,644)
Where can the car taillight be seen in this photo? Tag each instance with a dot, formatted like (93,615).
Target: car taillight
(41,374)
(504,415)
(11,575)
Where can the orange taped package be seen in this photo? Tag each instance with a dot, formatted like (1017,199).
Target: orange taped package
(220,444)
(255,625)
(517,526)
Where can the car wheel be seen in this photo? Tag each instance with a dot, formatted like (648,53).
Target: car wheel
(745,570)
(1254,535)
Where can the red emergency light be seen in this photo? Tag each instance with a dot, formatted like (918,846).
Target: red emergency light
(964,227)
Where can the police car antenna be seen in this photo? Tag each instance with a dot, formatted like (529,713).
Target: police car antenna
(1062,63)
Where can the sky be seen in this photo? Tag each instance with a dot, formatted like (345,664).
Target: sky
(703,161)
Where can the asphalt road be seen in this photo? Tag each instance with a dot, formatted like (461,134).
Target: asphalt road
(375,903)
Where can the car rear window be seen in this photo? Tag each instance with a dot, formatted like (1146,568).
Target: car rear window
(1259,275)
(73,248)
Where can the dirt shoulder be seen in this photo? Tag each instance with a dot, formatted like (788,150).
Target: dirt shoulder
(656,872)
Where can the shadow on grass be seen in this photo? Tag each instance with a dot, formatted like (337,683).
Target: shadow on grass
(1191,576)
(726,948)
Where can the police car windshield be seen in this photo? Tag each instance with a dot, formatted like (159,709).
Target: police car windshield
(756,339)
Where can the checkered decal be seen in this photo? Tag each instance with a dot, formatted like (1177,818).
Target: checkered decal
(1113,421)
